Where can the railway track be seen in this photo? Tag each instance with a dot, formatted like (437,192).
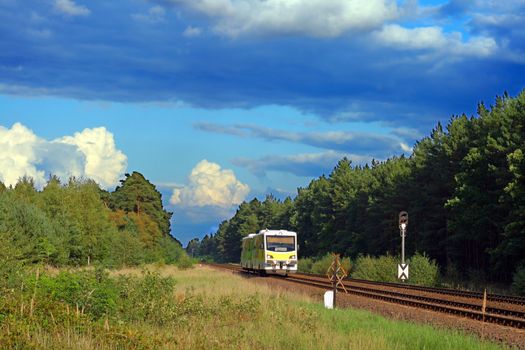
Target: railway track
(503,316)
(507,299)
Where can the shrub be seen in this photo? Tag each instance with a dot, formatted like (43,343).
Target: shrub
(305,265)
(347,264)
(321,265)
(148,298)
(11,266)
(518,281)
(207,259)
(383,268)
(185,262)
(93,292)
(171,250)
(423,271)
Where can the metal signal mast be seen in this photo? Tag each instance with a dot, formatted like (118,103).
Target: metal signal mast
(402,269)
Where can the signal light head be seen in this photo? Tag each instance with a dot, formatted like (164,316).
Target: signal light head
(403,220)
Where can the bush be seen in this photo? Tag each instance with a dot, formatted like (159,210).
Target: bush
(305,265)
(147,298)
(207,259)
(11,265)
(93,292)
(171,250)
(383,268)
(518,281)
(321,265)
(185,262)
(423,271)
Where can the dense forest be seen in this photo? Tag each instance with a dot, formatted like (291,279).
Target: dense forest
(77,223)
(463,186)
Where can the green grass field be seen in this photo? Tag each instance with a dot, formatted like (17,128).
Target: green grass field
(199,308)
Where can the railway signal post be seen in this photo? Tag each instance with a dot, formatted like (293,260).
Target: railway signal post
(402,269)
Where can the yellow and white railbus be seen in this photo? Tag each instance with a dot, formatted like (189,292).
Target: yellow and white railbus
(270,251)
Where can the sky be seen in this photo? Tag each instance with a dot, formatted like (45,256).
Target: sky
(220,101)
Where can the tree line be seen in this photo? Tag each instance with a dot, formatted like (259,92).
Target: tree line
(463,186)
(77,223)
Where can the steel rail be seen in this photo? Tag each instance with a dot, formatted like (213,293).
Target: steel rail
(509,299)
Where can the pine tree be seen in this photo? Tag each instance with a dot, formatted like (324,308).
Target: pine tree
(138,195)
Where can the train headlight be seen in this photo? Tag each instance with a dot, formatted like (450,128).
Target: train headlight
(292,257)
(269,256)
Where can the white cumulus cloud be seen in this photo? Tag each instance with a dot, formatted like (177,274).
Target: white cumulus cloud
(104,162)
(17,154)
(316,18)
(69,8)
(91,153)
(434,38)
(209,185)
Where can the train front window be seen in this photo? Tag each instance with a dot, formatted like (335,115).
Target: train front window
(280,243)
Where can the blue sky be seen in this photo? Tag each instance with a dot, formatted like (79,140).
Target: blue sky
(217,101)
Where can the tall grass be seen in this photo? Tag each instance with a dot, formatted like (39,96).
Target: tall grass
(200,308)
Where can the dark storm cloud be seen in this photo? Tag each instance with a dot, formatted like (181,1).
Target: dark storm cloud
(107,54)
